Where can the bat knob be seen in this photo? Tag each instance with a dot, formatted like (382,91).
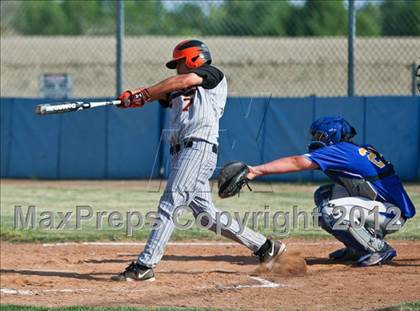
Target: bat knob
(40,109)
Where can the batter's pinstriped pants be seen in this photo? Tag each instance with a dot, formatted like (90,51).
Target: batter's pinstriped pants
(188,185)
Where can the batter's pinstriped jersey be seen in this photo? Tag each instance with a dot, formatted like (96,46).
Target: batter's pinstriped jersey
(195,112)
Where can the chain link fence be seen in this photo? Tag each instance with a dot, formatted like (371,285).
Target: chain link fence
(265,48)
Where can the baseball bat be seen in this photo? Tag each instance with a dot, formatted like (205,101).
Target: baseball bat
(44,109)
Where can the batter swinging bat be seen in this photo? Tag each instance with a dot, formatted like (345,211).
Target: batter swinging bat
(75,106)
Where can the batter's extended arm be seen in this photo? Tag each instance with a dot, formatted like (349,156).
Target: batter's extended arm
(175,83)
(138,97)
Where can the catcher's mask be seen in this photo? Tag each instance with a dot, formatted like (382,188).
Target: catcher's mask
(195,52)
(328,131)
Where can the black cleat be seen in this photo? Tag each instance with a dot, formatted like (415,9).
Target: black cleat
(135,272)
(270,251)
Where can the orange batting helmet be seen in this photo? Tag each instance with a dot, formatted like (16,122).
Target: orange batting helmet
(195,52)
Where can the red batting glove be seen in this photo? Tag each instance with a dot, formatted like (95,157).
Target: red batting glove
(134,99)
(125,99)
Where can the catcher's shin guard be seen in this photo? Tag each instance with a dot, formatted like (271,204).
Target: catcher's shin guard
(358,238)
(323,194)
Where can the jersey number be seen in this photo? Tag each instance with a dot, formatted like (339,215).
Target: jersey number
(372,157)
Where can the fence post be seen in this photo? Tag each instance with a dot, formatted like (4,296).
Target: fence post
(351,40)
(414,79)
(120,47)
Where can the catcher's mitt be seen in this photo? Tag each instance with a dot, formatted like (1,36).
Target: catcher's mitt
(232,178)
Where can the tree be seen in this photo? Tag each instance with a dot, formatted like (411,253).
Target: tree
(318,18)
(368,22)
(62,17)
(400,18)
(216,24)
(144,17)
(82,15)
(186,19)
(42,18)
(230,17)
(248,18)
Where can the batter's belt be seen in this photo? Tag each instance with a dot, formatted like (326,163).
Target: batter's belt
(189,144)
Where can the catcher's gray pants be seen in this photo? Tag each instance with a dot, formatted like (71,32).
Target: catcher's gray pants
(364,222)
(188,185)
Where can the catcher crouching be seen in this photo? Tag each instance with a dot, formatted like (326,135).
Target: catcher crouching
(365,203)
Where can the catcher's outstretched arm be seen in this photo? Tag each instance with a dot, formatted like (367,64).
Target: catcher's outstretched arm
(282,166)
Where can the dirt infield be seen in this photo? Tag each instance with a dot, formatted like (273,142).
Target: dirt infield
(205,275)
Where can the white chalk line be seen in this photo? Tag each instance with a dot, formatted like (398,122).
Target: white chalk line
(12,291)
(27,292)
(66,290)
(262,283)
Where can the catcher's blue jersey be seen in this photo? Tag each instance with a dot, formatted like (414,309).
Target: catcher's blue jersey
(360,162)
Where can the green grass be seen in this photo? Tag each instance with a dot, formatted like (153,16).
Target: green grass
(133,196)
(76,308)
(406,306)
(410,306)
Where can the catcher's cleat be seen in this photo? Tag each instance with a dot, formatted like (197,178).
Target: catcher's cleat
(135,272)
(344,254)
(270,251)
(384,256)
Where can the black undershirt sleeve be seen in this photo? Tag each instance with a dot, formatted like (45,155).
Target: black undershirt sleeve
(165,103)
(210,74)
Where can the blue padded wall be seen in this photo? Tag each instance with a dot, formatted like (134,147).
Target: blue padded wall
(130,143)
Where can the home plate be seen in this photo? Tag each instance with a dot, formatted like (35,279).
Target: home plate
(263,283)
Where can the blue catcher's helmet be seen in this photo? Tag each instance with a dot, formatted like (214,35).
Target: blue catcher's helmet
(329,131)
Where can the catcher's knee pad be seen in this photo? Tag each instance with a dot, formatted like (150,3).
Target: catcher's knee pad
(323,194)
(326,221)
(321,198)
